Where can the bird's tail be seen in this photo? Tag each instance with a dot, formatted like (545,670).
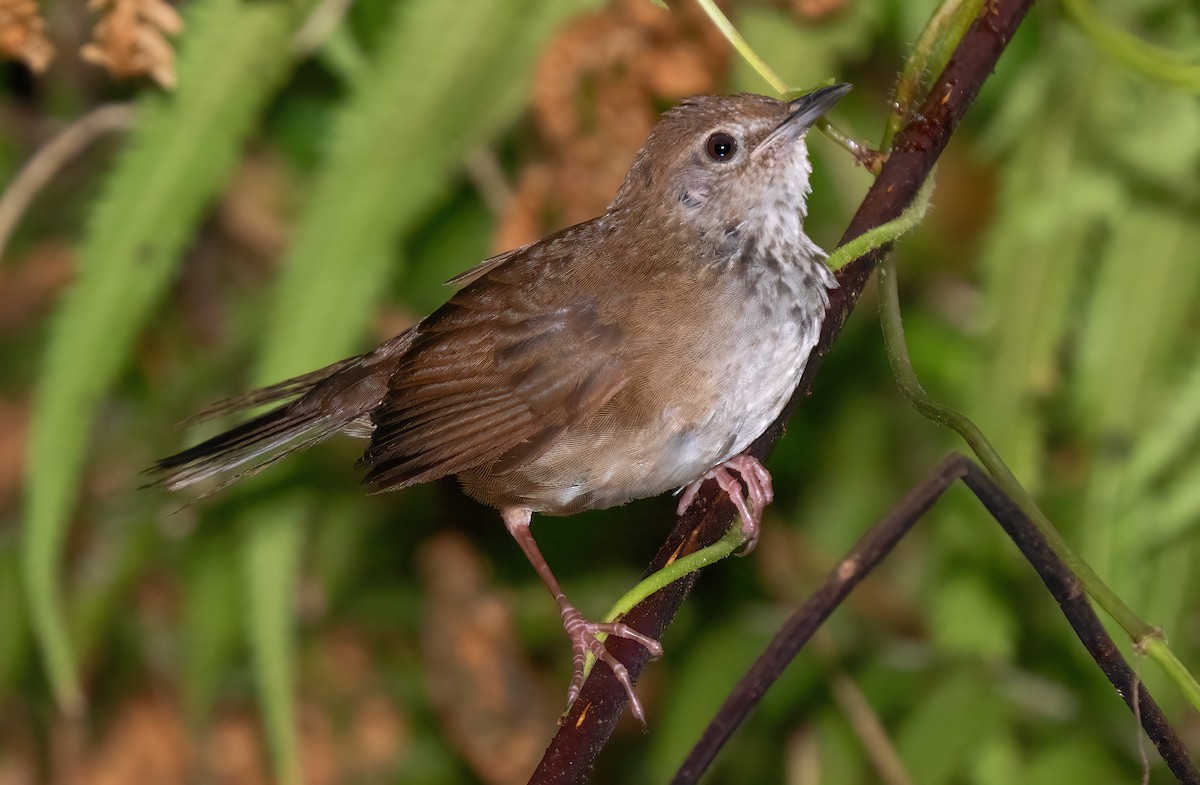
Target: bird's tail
(319,404)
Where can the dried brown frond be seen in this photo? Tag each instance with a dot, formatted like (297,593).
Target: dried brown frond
(14,429)
(598,90)
(23,34)
(30,284)
(254,208)
(130,39)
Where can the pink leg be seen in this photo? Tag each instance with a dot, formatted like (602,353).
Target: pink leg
(581,631)
(758,485)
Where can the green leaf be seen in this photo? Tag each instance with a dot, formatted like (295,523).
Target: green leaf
(1143,270)
(180,153)
(1034,259)
(1169,441)
(998,761)
(14,643)
(704,673)
(271,552)
(968,618)
(211,623)
(939,739)
(1165,516)
(1077,760)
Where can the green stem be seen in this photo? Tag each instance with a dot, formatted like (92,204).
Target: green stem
(929,55)
(884,233)
(722,23)
(671,573)
(1147,59)
(678,569)
(1145,637)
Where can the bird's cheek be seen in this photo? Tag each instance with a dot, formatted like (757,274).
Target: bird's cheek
(697,188)
(692,198)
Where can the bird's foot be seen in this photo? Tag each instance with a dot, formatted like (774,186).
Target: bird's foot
(583,640)
(758,488)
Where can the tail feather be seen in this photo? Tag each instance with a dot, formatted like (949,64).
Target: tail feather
(175,473)
(332,399)
(260,441)
(291,388)
(312,407)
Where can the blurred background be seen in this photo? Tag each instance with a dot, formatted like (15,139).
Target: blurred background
(276,184)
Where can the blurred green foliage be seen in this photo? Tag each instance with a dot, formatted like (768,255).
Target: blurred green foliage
(1051,295)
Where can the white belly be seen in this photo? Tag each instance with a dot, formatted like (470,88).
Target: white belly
(753,372)
(760,369)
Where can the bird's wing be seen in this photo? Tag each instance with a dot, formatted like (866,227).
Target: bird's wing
(548,245)
(486,266)
(495,377)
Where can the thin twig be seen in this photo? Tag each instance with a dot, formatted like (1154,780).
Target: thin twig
(588,724)
(870,730)
(483,169)
(41,168)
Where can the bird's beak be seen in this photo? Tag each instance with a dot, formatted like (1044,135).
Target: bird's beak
(802,113)
(805,110)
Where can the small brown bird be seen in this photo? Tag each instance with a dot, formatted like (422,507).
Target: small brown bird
(630,355)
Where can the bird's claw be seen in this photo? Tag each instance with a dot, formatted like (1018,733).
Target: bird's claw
(758,488)
(583,640)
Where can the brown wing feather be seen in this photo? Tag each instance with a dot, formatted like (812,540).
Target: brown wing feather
(529,250)
(495,377)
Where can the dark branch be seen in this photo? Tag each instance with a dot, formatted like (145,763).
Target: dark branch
(590,721)
(871,550)
(1069,594)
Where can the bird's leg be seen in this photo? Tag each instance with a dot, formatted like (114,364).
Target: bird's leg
(758,487)
(581,631)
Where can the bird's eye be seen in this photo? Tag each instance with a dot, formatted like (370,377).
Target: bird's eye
(720,146)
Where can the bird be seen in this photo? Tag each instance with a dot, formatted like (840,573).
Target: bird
(627,356)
